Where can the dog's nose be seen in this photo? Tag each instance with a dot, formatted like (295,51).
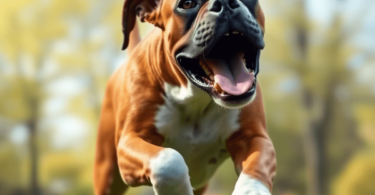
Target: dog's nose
(221,5)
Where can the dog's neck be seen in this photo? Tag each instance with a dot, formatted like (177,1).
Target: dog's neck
(197,99)
(163,68)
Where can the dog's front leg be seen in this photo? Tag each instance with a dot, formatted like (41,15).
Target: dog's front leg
(143,163)
(252,151)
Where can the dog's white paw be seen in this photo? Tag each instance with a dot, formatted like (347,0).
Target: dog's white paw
(249,186)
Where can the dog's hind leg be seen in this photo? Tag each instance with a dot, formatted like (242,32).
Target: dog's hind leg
(107,179)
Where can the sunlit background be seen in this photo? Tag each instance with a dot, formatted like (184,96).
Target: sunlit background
(317,73)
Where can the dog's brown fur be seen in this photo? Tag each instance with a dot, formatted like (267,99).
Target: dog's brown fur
(127,137)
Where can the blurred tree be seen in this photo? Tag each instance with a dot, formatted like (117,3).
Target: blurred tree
(330,135)
(30,35)
(319,57)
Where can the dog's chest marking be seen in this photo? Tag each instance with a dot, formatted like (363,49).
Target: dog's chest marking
(197,128)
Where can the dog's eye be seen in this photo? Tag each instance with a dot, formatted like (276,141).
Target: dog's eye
(187,4)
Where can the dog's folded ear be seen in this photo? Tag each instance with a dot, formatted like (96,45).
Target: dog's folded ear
(146,10)
(260,16)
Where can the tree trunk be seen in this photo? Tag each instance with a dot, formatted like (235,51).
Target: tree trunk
(34,186)
(33,144)
(314,135)
(316,142)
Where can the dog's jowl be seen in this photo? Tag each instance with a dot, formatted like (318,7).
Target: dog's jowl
(186,100)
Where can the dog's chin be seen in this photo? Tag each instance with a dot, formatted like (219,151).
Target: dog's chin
(234,104)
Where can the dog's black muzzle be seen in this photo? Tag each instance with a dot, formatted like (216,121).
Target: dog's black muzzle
(227,27)
(222,17)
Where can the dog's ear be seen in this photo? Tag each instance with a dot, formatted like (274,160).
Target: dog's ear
(260,16)
(146,10)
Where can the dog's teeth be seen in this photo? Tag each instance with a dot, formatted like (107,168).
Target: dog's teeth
(226,34)
(205,69)
(235,32)
(218,88)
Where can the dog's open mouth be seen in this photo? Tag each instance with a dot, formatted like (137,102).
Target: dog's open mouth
(228,71)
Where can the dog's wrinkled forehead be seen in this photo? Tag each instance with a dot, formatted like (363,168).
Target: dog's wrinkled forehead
(182,14)
(192,10)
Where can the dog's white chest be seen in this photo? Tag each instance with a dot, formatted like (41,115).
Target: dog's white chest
(197,128)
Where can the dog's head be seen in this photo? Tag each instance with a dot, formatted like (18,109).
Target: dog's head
(215,43)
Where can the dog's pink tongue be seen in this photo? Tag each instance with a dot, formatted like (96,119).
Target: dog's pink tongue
(231,75)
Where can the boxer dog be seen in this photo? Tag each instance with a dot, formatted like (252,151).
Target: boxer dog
(186,100)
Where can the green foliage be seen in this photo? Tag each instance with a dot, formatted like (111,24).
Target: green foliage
(357,176)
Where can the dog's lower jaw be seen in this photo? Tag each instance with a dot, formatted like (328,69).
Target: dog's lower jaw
(234,106)
(247,185)
(169,174)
